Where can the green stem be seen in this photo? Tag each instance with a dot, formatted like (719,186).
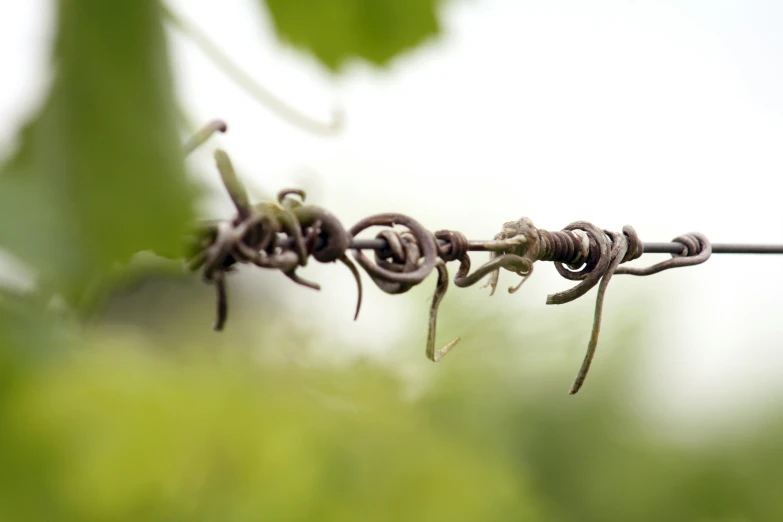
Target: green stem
(243,79)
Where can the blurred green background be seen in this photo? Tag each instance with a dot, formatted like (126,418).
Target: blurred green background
(118,403)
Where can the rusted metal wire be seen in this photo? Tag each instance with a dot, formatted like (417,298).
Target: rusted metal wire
(284,234)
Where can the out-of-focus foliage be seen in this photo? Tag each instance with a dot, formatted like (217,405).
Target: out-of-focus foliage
(126,429)
(98,174)
(336,31)
(140,415)
(121,434)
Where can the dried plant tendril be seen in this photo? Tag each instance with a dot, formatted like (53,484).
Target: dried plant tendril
(285,233)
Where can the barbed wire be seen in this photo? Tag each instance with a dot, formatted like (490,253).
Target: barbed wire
(284,234)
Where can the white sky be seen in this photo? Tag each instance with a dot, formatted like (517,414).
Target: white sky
(664,115)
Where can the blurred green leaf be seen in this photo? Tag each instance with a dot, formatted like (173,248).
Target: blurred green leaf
(337,30)
(123,428)
(130,435)
(98,175)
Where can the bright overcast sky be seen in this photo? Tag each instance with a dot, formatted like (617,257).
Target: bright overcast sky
(666,115)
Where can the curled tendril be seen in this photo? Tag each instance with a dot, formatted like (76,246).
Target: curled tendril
(204,134)
(440,291)
(518,238)
(401,256)
(519,265)
(222,301)
(234,187)
(252,236)
(408,259)
(581,252)
(420,237)
(330,239)
(593,269)
(696,250)
(357,277)
(619,248)
(283,234)
(284,199)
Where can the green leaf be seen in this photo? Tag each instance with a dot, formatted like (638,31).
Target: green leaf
(99,174)
(338,30)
